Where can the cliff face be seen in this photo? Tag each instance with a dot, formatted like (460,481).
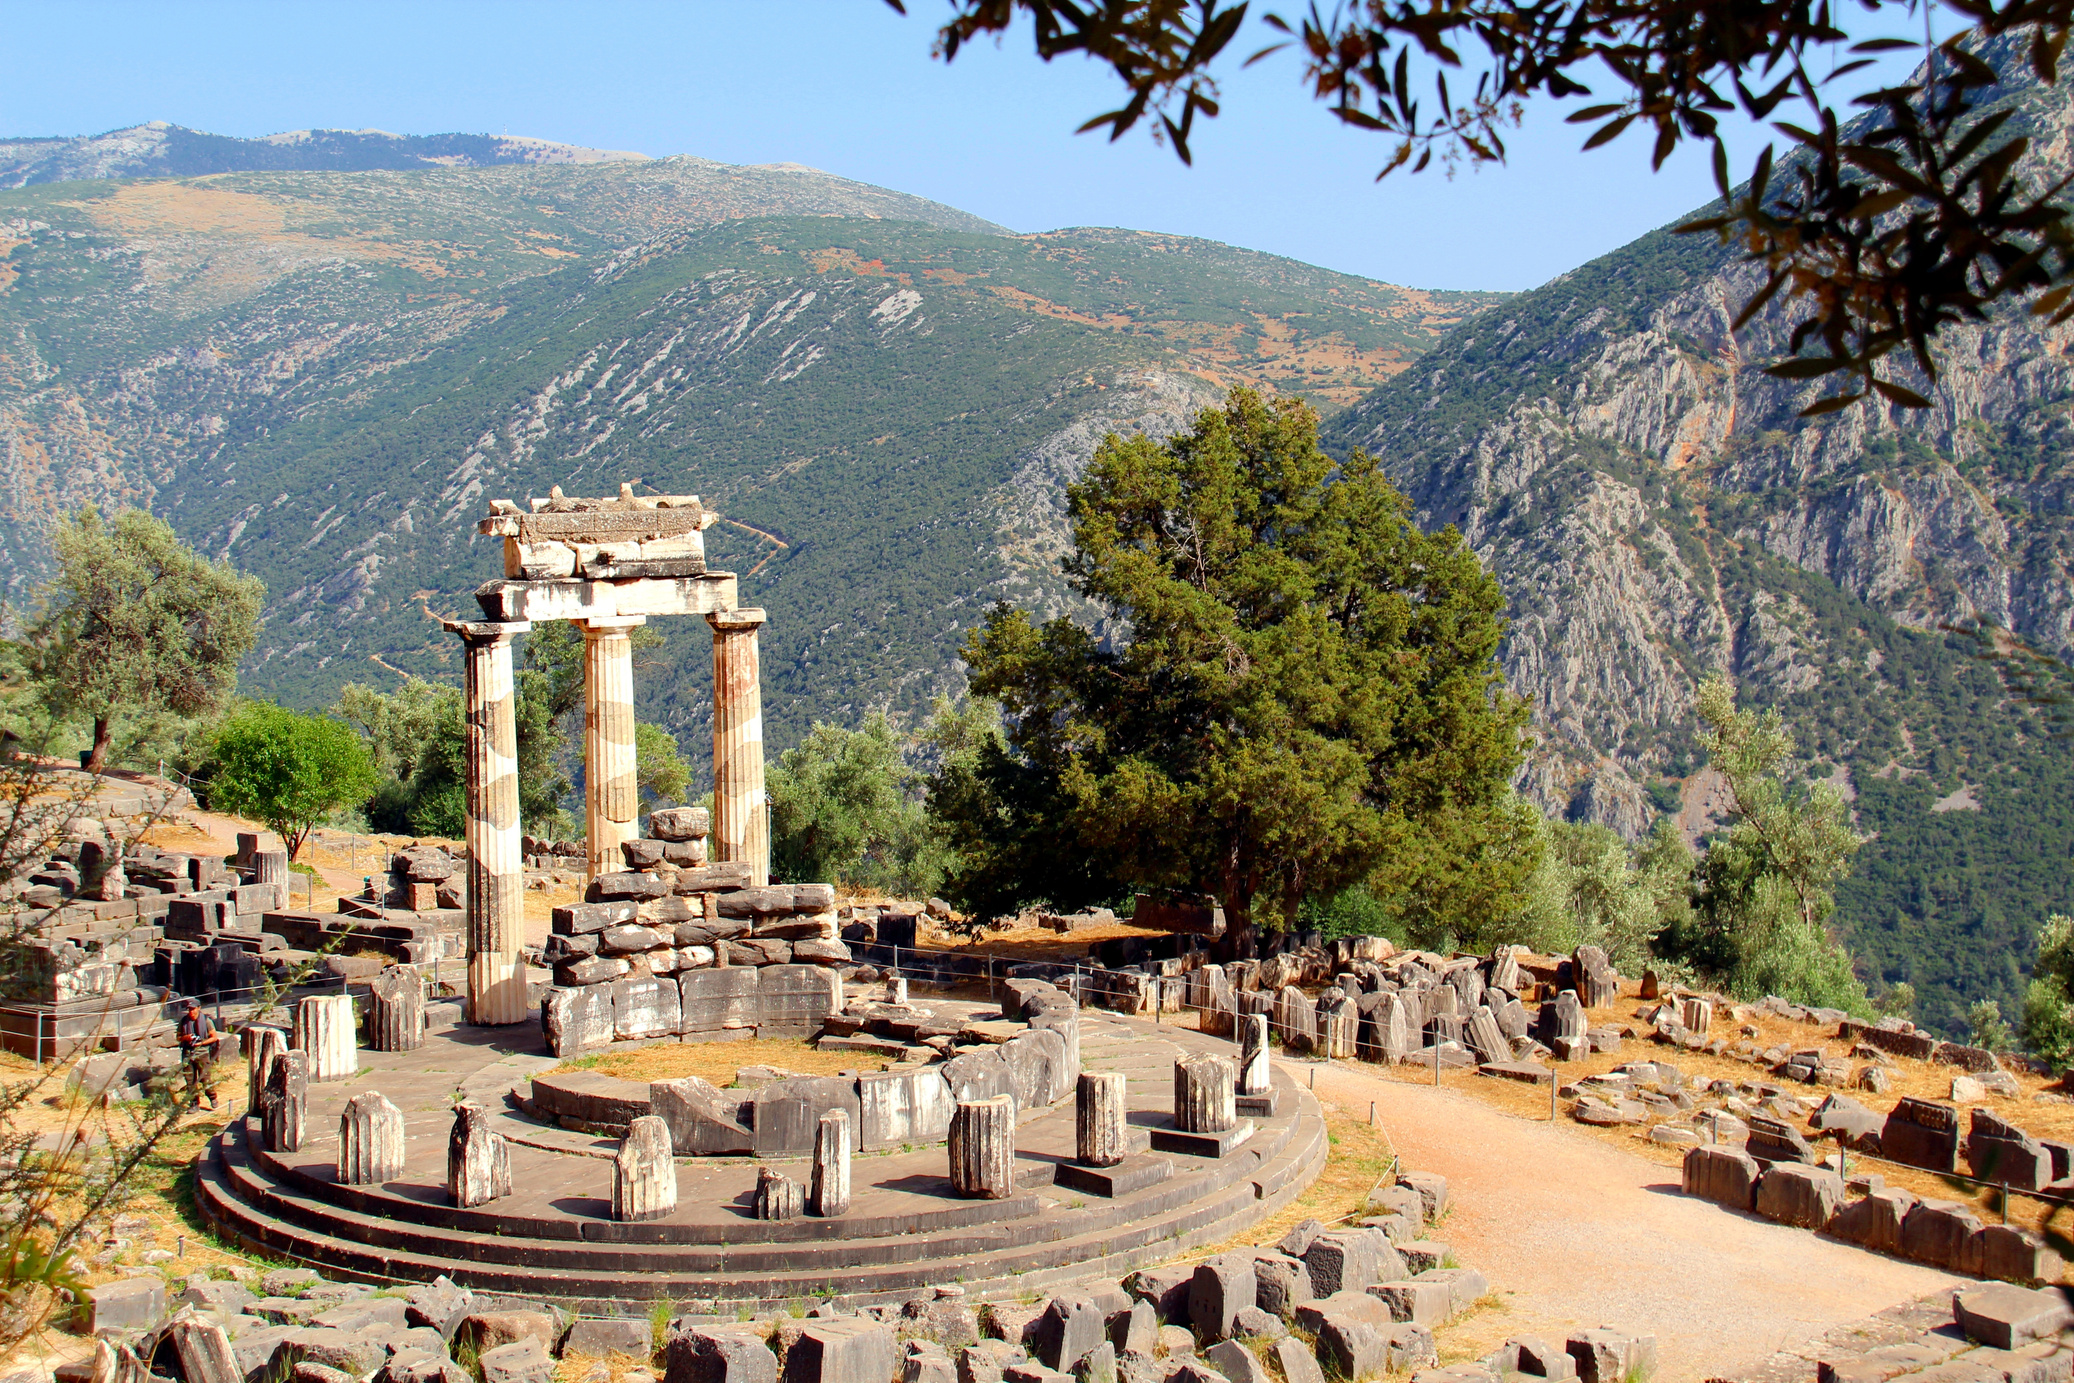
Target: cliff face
(1657,510)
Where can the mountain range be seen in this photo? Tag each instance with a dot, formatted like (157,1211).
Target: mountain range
(322,368)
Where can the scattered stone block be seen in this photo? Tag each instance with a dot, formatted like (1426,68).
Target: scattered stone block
(1725,1176)
(370,1141)
(982,1148)
(1465,1286)
(718,1354)
(1297,1363)
(478,1165)
(2005,1316)
(1280,1283)
(778,1197)
(841,1351)
(644,1172)
(2011,1254)
(134,1303)
(1219,1290)
(1068,1329)
(1427,1303)
(1608,1356)
(1539,1359)
(202,1350)
(1944,1234)
(1875,1221)
(1797,1195)
(325,1034)
(1166,1289)
(1236,1362)
(1918,1133)
(522,1362)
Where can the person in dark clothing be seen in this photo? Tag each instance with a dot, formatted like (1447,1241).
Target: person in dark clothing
(198,1042)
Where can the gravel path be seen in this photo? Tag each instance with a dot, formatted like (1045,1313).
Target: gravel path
(1573,1234)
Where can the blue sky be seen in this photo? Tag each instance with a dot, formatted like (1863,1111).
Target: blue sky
(847,86)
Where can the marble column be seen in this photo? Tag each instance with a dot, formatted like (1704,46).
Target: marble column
(611,795)
(326,1032)
(370,1141)
(741,819)
(496,873)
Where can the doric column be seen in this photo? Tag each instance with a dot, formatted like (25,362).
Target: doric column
(611,796)
(496,873)
(741,820)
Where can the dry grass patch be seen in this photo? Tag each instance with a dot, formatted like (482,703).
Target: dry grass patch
(718,1061)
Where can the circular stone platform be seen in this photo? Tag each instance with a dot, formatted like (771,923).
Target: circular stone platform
(554,1238)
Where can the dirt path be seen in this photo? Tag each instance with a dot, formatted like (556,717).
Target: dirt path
(1573,1234)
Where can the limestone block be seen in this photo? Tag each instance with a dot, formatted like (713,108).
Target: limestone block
(1219,1290)
(1484,1036)
(577,1020)
(1726,1176)
(778,1197)
(1608,1356)
(592,970)
(2017,1255)
(396,1010)
(1036,1062)
(1204,1090)
(702,1119)
(1944,1234)
(2002,1316)
(630,938)
(285,1104)
(796,999)
(644,1172)
(1357,1337)
(262,1045)
(902,1107)
(521,1362)
(1919,1133)
(1296,1019)
(718,1354)
(1875,1221)
(1070,1328)
(134,1303)
(324,1032)
(829,1195)
(203,1350)
(370,1141)
(1101,1107)
(645,1006)
(978,1074)
(1253,1077)
(718,999)
(1341,1262)
(478,1165)
(1799,1195)
(1281,1283)
(842,1351)
(584,919)
(1297,1363)
(982,1148)
(680,823)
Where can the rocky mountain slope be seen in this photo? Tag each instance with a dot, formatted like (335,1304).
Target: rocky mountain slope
(1656,510)
(162,150)
(324,375)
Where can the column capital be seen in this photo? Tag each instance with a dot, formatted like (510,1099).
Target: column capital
(485,631)
(736,621)
(605,626)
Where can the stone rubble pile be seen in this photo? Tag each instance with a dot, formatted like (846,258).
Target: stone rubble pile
(1350,1301)
(674,944)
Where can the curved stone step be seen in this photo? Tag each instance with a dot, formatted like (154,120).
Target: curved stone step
(1027,1266)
